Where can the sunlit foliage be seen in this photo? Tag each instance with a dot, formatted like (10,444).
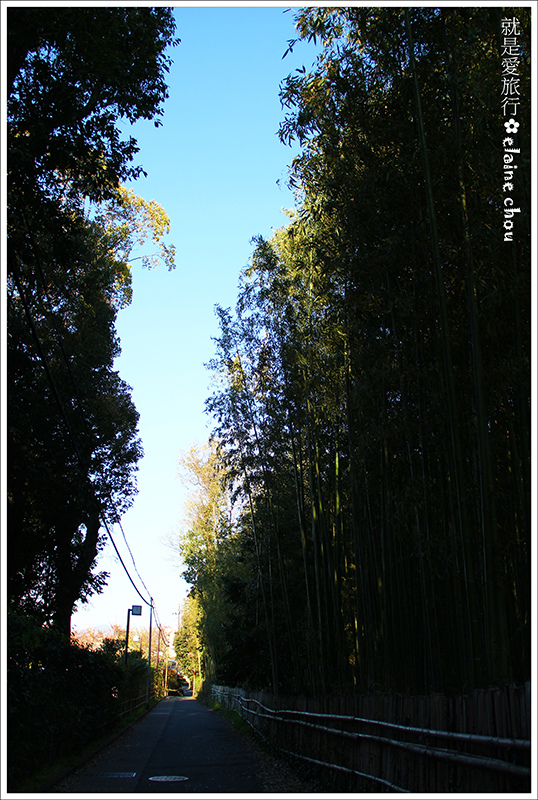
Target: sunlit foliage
(372,410)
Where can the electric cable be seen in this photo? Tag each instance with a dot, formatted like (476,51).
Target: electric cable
(118,522)
(16,275)
(59,341)
(52,317)
(123,564)
(39,345)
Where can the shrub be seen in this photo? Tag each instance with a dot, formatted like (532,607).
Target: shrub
(61,695)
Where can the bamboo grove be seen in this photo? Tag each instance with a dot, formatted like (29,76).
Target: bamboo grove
(371,398)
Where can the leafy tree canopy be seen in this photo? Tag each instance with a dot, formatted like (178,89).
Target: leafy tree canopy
(73,75)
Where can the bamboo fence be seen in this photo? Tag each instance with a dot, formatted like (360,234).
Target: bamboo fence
(396,743)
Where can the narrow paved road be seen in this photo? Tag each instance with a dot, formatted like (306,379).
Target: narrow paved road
(180,747)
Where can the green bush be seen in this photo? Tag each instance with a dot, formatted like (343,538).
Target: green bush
(60,695)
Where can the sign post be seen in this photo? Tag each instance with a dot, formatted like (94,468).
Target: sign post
(136,611)
(149,651)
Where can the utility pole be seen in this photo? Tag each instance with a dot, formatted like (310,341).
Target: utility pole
(149,652)
(166,672)
(158,657)
(127,634)
(136,611)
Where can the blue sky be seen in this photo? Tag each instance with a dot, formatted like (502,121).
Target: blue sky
(214,166)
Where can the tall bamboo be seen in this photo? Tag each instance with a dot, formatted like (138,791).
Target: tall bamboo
(469,587)
(497,647)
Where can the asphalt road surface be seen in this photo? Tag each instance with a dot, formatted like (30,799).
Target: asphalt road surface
(179,747)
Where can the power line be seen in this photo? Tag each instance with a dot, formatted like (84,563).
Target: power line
(52,316)
(118,522)
(123,564)
(75,387)
(41,352)
(35,334)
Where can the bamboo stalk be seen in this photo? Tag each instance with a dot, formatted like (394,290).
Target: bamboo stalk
(469,588)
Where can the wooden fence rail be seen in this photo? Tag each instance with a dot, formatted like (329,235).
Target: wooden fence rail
(477,743)
(125,707)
